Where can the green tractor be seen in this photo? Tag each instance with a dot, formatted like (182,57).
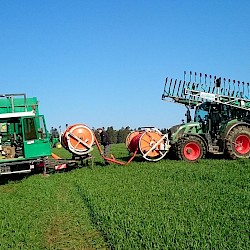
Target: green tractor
(221,123)
(24,139)
(55,138)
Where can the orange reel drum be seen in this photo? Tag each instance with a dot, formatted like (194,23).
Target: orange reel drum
(78,139)
(147,141)
(131,142)
(150,142)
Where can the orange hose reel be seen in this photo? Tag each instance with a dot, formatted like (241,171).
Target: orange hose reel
(78,139)
(150,142)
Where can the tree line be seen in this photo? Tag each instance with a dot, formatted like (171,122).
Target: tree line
(119,136)
(116,136)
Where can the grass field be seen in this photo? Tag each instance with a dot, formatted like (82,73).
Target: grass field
(162,205)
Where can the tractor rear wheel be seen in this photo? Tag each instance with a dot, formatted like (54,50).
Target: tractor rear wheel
(191,149)
(238,142)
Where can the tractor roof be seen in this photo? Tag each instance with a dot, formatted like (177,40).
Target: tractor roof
(17,105)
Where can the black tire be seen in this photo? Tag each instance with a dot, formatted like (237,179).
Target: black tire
(238,142)
(191,149)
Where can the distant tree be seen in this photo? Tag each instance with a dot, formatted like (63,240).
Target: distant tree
(112,134)
(116,136)
(119,135)
(126,132)
(122,134)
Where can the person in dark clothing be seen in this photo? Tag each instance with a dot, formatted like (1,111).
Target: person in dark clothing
(105,141)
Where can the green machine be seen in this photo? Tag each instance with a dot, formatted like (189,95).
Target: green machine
(55,138)
(24,139)
(221,123)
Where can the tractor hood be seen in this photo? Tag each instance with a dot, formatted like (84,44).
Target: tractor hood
(175,128)
(177,131)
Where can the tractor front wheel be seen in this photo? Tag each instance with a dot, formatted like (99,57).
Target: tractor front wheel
(238,142)
(191,149)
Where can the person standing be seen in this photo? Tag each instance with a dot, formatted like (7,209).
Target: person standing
(105,141)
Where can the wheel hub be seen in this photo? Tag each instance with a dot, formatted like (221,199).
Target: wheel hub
(242,144)
(192,151)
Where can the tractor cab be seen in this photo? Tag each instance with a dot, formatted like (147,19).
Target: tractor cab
(211,115)
(24,139)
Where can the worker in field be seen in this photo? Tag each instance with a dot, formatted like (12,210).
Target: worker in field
(105,141)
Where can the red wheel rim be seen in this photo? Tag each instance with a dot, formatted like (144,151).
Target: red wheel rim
(242,144)
(192,151)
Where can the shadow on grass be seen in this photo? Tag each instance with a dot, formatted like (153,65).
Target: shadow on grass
(5,179)
(18,177)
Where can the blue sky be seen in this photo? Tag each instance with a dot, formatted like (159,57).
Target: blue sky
(104,62)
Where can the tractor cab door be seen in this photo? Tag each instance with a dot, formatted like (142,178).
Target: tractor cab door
(202,116)
(35,137)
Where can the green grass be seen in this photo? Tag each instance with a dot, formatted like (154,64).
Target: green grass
(145,205)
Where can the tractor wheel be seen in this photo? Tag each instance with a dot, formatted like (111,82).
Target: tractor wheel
(238,142)
(191,149)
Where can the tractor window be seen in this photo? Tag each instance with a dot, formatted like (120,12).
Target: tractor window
(201,113)
(29,129)
(3,128)
(41,127)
